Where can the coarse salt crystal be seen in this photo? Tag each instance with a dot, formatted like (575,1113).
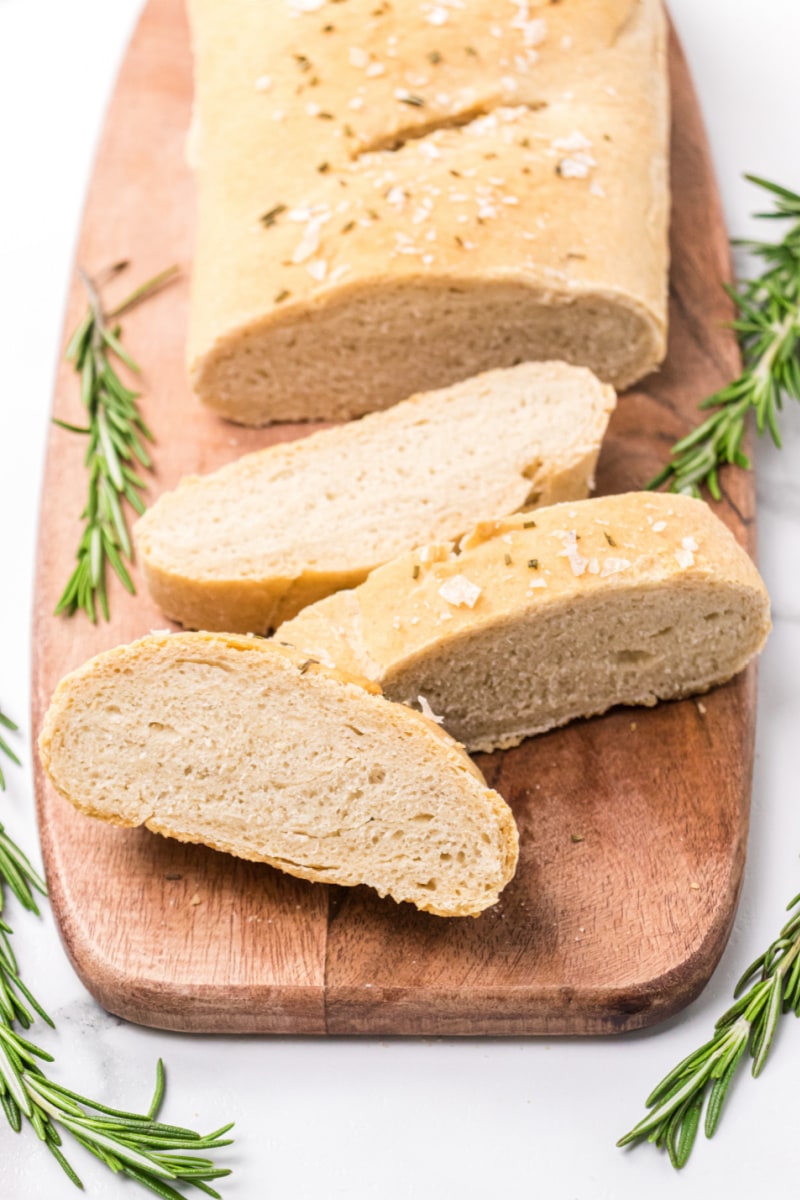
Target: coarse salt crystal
(263,83)
(659,526)
(317,269)
(358,57)
(537,583)
(458,590)
(576,167)
(313,109)
(428,712)
(613,566)
(396,196)
(309,243)
(573,141)
(437,16)
(356,103)
(689,543)
(374,70)
(573,556)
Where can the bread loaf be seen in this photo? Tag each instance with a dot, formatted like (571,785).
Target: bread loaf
(395,196)
(246,548)
(538,620)
(250,748)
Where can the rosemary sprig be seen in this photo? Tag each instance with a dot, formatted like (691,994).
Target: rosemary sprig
(6,723)
(115,448)
(160,1157)
(768,328)
(749,1025)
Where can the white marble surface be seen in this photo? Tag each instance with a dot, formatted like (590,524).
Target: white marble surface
(392,1119)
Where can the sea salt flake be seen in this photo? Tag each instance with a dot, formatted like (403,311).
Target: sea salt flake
(572,142)
(428,712)
(438,15)
(309,243)
(573,556)
(685,556)
(317,269)
(458,591)
(263,83)
(613,566)
(576,167)
(659,526)
(537,583)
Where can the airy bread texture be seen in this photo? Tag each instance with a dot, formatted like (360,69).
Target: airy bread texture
(248,747)
(396,196)
(246,548)
(533,622)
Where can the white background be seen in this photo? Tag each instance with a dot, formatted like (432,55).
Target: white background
(369,1119)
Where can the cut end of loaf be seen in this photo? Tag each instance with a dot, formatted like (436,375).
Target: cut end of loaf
(253,749)
(365,348)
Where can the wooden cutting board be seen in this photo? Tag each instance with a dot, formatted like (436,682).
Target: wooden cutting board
(633,826)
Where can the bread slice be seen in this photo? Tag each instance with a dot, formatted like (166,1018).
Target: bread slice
(246,548)
(537,620)
(396,196)
(250,748)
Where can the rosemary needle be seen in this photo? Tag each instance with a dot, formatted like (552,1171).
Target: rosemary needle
(160,1157)
(768,988)
(768,328)
(115,451)
(6,723)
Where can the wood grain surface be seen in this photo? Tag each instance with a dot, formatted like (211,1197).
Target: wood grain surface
(633,826)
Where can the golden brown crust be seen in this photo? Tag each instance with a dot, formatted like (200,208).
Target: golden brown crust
(422,194)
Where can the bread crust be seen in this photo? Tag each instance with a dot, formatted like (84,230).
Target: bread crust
(509,203)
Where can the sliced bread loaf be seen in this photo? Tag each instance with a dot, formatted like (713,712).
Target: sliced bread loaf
(250,748)
(534,621)
(394,196)
(246,548)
